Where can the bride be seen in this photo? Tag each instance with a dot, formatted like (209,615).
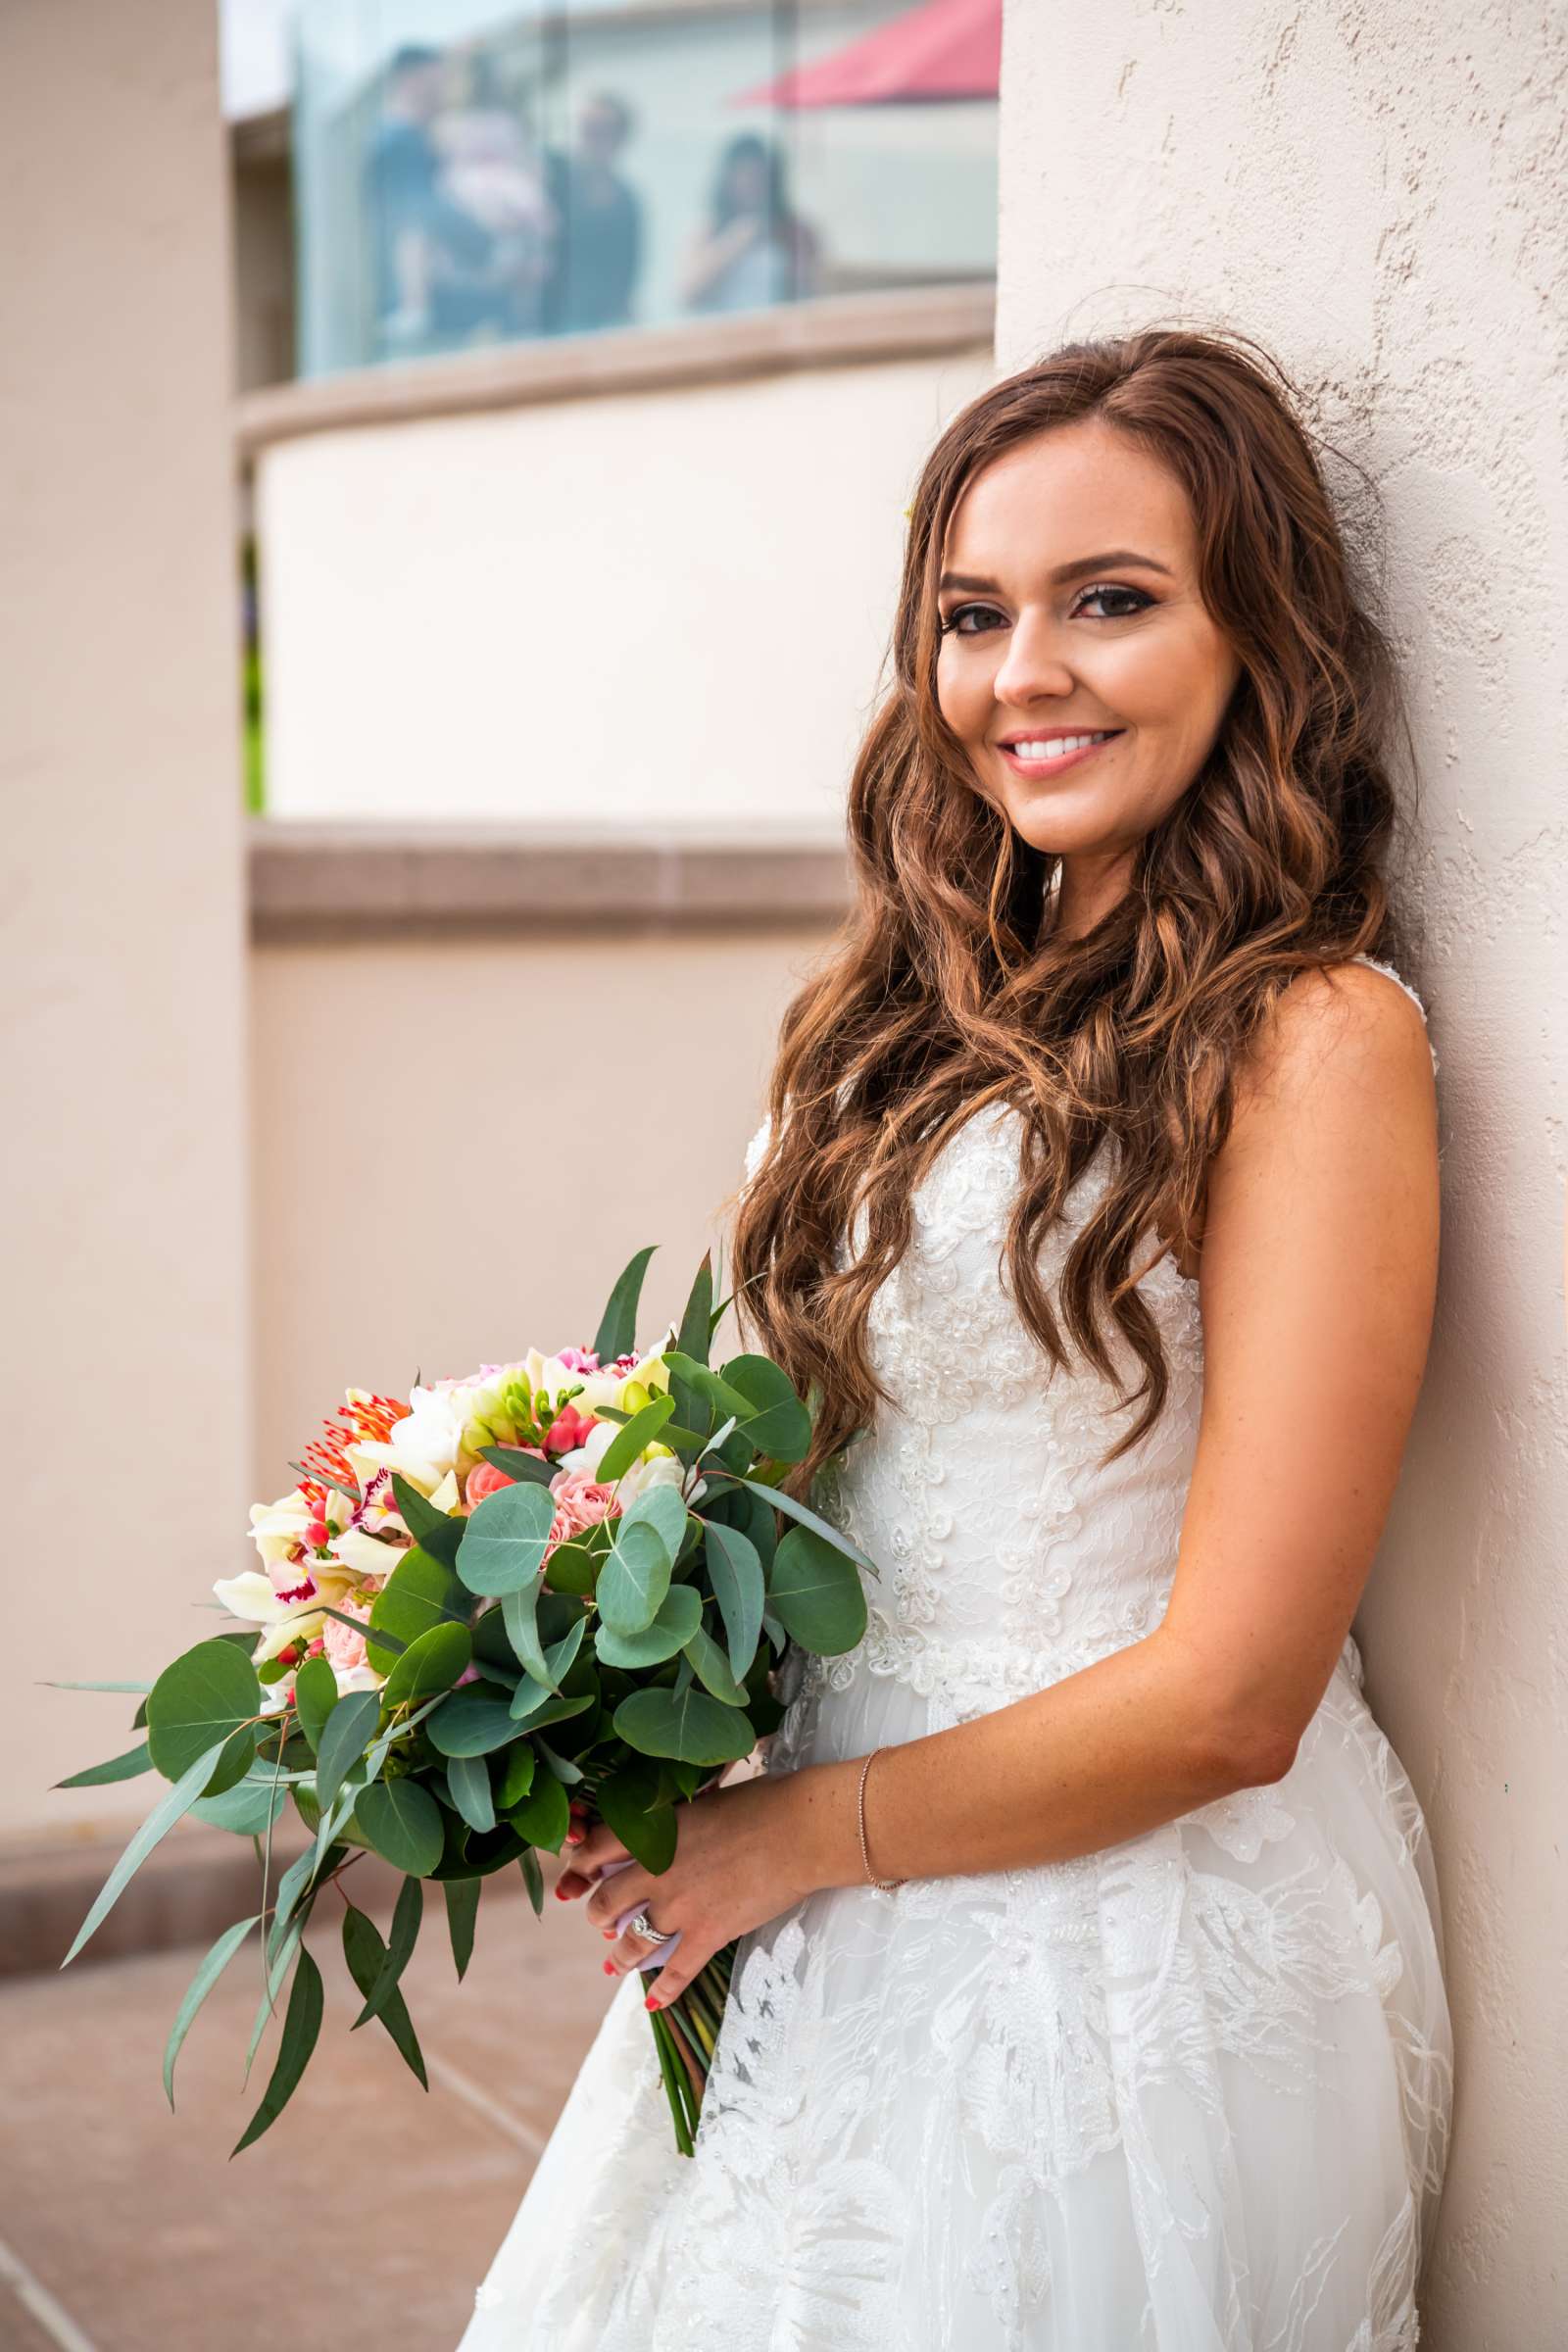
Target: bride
(1088,1994)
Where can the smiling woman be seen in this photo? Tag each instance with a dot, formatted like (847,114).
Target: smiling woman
(1087,1989)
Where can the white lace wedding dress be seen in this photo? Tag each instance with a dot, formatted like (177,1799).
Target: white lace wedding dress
(1190,2093)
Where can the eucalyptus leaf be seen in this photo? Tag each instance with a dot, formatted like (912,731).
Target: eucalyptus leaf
(402,1822)
(462,1910)
(714,1669)
(367,1960)
(533,1706)
(628,1801)
(516,1777)
(468,1779)
(439,1532)
(248,1810)
(301,2027)
(696,1322)
(429,1664)
(209,1693)
(315,1697)
(567,1773)
(196,1991)
(634,1579)
(781,1425)
(689,1724)
(544,1815)
(680,1613)
(470,1722)
(420,1593)
(817,1594)
(517,1463)
(406,1914)
(175,1802)
(628,1442)
(136,1760)
(533,1878)
(347,1731)
(735,1573)
(519,1613)
(504,1542)
(617,1326)
(808,1519)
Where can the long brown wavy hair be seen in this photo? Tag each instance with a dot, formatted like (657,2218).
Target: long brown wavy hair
(941,994)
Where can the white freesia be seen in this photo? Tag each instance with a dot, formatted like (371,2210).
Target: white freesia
(423,1447)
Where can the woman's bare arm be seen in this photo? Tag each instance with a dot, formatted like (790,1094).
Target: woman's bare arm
(1320,1268)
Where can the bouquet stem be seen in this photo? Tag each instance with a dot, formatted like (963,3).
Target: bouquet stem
(685,2037)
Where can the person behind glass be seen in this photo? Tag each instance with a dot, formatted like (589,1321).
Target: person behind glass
(491,173)
(755,248)
(598,255)
(429,252)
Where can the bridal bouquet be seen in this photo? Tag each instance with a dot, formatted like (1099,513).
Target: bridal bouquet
(572,1573)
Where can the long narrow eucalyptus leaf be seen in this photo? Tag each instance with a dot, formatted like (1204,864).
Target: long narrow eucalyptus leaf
(158,1824)
(300,2026)
(406,1914)
(196,1991)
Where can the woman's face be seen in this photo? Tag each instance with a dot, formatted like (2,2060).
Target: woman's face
(1070,608)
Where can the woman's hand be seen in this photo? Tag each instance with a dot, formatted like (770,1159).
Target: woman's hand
(740,1859)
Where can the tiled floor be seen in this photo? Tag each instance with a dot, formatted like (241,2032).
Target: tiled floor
(363,2220)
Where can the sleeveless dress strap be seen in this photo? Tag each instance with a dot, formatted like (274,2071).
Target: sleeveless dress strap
(1390,973)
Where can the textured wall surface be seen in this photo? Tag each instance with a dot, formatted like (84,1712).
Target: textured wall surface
(1377,192)
(121,928)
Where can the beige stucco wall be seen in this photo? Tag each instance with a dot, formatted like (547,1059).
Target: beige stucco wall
(1376,190)
(526,1115)
(122,1178)
(656,606)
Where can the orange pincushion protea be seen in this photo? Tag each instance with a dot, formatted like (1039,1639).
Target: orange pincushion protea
(364,1417)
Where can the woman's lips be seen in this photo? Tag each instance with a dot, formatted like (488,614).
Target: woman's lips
(1033,768)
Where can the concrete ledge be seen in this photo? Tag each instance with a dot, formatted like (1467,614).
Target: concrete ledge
(323,882)
(835,330)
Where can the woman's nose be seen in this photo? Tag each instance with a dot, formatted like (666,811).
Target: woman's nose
(1031,666)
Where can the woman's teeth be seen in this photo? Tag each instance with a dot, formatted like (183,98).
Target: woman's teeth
(1051,747)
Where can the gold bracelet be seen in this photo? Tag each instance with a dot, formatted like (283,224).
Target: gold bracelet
(882,1886)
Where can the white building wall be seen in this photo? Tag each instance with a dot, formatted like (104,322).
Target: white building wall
(645,606)
(1376,191)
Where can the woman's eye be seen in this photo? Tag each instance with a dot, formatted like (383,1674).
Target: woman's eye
(1138,601)
(953,623)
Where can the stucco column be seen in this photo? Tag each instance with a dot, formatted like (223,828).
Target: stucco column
(1376,192)
(123,1208)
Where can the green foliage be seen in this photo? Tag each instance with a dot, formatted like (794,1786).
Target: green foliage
(315,1697)
(517,1465)
(210,1693)
(735,1572)
(688,1724)
(817,1594)
(248,1810)
(301,2027)
(680,1613)
(504,1541)
(533,1878)
(516,1777)
(420,1593)
(629,1801)
(136,1760)
(407,1913)
(402,1821)
(429,1664)
(347,1734)
(631,1440)
(462,1910)
(713,1668)
(471,1723)
(368,1961)
(160,1821)
(468,1780)
(617,1326)
(439,1532)
(196,1991)
(544,1815)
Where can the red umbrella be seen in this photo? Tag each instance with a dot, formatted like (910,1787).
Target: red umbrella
(944,49)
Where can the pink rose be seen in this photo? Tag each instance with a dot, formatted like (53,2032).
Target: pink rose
(580,1504)
(483,1479)
(343,1647)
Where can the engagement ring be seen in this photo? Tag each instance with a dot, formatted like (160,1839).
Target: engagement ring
(644,1926)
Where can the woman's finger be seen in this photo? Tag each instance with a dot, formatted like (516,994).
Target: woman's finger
(688,1960)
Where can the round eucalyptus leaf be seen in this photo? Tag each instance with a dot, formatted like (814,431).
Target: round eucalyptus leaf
(207,1694)
(402,1821)
(816,1594)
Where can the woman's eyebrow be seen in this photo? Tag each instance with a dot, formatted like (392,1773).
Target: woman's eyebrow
(1063,572)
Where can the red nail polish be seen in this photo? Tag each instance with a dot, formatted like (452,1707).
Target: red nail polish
(652,2002)
(610,1968)
(561,1894)
(608,1931)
